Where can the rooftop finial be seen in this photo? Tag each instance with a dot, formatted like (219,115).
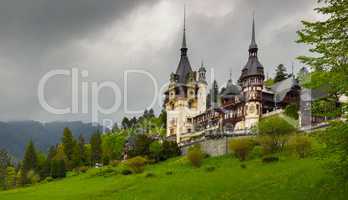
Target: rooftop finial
(184,36)
(253,44)
(202,63)
(231,74)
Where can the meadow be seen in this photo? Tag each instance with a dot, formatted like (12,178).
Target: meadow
(218,178)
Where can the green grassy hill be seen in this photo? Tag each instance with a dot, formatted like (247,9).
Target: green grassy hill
(288,179)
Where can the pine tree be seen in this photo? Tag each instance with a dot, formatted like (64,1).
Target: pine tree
(96,148)
(30,158)
(280,73)
(68,143)
(82,150)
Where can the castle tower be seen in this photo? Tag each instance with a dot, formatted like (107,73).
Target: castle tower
(186,95)
(251,81)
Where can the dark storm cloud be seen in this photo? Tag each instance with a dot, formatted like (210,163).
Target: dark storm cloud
(107,36)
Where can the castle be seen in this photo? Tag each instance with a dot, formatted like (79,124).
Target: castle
(193,110)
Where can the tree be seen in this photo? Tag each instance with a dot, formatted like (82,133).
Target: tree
(5,161)
(112,145)
(30,158)
(96,148)
(10,178)
(141,146)
(125,123)
(277,129)
(280,73)
(335,139)
(46,168)
(82,150)
(241,147)
(195,156)
(328,40)
(68,143)
(58,169)
(156,150)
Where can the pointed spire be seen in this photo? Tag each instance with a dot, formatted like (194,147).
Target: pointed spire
(253,44)
(231,74)
(202,63)
(184,32)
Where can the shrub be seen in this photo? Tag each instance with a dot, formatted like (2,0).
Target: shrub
(269,159)
(195,156)
(257,152)
(83,169)
(126,171)
(150,175)
(336,140)
(170,149)
(241,147)
(114,163)
(48,179)
(156,150)
(136,164)
(277,129)
(169,173)
(291,111)
(243,166)
(33,177)
(108,171)
(301,144)
(210,168)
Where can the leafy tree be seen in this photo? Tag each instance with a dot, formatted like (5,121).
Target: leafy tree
(141,146)
(335,139)
(76,159)
(96,148)
(115,128)
(112,145)
(292,111)
(301,144)
(163,118)
(241,147)
(195,156)
(328,40)
(156,150)
(269,82)
(68,143)
(280,73)
(170,149)
(277,129)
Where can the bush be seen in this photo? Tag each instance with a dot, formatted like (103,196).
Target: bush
(114,163)
(210,168)
(195,156)
(150,175)
(136,164)
(241,147)
(48,179)
(301,144)
(83,169)
(257,152)
(126,171)
(291,111)
(277,130)
(169,173)
(269,159)
(243,166)
(108,171)
(336,140)
(170,149)
(32,177)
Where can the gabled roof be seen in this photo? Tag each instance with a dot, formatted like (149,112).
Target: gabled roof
(281,88)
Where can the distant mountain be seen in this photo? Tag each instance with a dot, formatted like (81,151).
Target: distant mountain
(14,136)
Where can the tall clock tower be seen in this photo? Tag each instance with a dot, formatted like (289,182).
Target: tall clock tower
(251,81)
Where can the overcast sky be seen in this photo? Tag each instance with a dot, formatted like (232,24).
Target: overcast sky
(107,37)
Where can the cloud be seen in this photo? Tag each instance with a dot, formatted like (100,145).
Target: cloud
(107,37)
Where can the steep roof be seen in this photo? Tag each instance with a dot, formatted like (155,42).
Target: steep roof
(253,66)
(184,67)
(281,88)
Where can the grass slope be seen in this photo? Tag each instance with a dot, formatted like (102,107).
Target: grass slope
(287,180)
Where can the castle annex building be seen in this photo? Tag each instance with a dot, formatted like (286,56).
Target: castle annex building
(193,110)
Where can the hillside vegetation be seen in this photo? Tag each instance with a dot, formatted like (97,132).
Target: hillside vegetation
(218,178)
